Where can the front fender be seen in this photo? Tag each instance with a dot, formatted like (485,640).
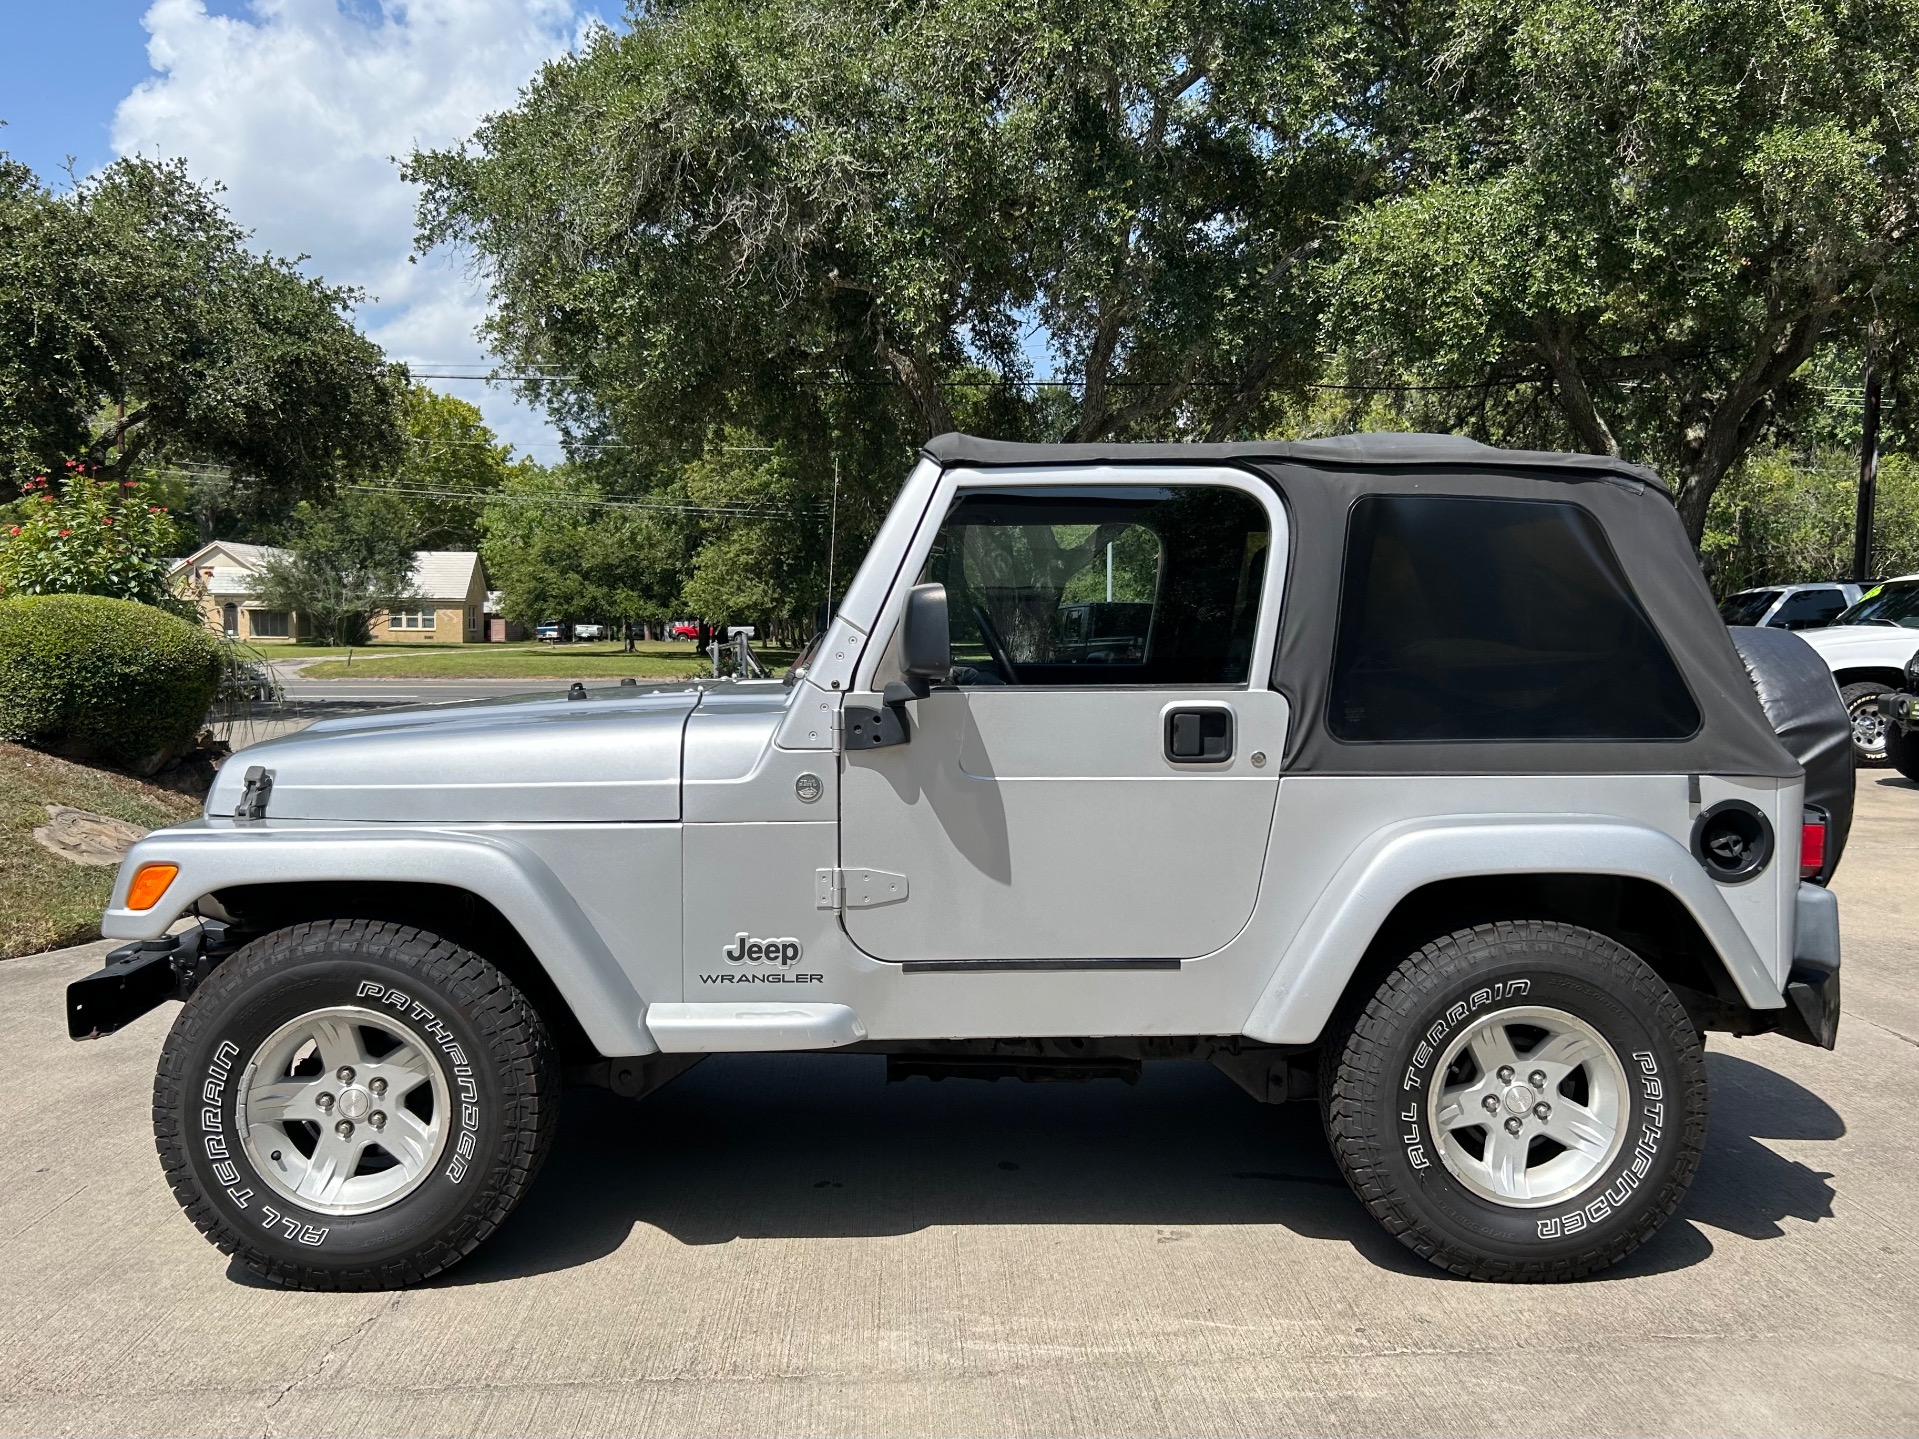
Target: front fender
(507,875)
(1396,860)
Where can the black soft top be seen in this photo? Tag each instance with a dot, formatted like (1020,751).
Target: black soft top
(1319,480)
(951,451)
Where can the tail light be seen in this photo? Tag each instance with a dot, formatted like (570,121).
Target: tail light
(1812,845)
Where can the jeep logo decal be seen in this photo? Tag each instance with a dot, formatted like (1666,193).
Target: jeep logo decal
(762,951)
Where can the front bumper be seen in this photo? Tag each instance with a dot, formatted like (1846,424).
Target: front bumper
(1901,709)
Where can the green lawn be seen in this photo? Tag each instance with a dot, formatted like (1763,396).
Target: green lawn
(402,648)
(46,901)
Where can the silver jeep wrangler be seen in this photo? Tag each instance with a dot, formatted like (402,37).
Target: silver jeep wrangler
(1410,777)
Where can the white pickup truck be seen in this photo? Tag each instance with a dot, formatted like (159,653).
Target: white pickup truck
(1867,648)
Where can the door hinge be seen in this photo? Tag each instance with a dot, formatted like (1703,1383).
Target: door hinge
(856,888)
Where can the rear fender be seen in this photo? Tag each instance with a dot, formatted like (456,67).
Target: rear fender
(507,875)
(1394,861)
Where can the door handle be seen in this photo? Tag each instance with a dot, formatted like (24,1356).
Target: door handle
(1199,735)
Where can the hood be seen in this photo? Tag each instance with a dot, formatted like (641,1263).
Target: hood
(596,759)
(1890,645)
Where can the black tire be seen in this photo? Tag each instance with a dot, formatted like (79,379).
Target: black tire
(1380,1070)
(1863,699)
(495,1061)
(1902,751)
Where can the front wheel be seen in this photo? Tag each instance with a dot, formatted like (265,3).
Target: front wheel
(351,1104)
(1519,1101)
(1869,723)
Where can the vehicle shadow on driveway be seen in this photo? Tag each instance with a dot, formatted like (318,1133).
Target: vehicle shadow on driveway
(819,1146)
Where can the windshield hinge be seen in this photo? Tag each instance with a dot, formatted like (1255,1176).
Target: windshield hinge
(856,888)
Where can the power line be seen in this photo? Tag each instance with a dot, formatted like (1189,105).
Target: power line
(487,497)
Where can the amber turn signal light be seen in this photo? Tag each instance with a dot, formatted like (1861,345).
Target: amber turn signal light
(149,884)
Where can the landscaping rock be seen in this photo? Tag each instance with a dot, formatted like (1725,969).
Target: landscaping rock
(84,837)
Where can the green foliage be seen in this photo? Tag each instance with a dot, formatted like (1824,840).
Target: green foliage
(1628,226)
(835,226)
(137,329)
(761,541)
(1649,227)
(558,549)
(92,537)
(103,677)
(1781,519)
(451,462)
(346,560)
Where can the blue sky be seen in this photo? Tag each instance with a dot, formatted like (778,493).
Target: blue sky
(68,65)
(295,106)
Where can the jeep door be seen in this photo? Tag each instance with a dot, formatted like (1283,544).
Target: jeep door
(1096,784)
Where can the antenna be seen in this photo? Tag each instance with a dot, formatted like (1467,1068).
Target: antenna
(833,535)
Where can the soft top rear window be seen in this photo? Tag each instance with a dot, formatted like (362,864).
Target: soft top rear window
(1487,619)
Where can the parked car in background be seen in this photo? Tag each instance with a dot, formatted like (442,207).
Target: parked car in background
(683,630)
(1790,607)
(1867,649)
(589,632)
(550,631)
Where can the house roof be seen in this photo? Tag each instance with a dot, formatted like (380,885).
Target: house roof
(444,574)
(437,574)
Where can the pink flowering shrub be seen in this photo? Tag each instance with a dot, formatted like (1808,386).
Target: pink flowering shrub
(88,537)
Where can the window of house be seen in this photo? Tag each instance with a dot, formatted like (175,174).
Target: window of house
(1481,619)
(1076,586)
(472,617)
(410,620)
(268,624)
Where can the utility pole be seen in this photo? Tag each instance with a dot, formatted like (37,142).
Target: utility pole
(1868,473)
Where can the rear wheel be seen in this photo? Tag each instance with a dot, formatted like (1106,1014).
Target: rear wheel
(351,1104)
(1519,1101)
(1868,724)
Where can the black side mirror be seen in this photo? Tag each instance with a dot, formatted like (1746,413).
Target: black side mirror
(926,646)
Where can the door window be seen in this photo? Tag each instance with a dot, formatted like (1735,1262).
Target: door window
(1808,609)
(1131,585)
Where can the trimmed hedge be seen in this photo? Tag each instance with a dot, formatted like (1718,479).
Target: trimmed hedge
(101,678)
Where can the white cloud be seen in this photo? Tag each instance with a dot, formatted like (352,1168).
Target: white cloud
(301,107)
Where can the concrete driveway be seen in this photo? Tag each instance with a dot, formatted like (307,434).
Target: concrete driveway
(786,1244)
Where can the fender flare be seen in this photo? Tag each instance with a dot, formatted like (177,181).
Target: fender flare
(507,875)
(1393,862)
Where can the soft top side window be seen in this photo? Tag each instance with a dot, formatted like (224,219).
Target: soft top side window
(1486,619)
(1135,585)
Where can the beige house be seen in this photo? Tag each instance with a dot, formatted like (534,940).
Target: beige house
(449,610)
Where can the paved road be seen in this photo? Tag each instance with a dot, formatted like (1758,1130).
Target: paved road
(786,1244)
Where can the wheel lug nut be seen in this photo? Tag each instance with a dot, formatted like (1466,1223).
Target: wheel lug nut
(345,1128)
(1505,1074)
(378,1086)
(1513,1125)
(346,1074)
(1537,1079)
(325,1101)
(378,1118)
(1542,1110)
(1491,1101)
